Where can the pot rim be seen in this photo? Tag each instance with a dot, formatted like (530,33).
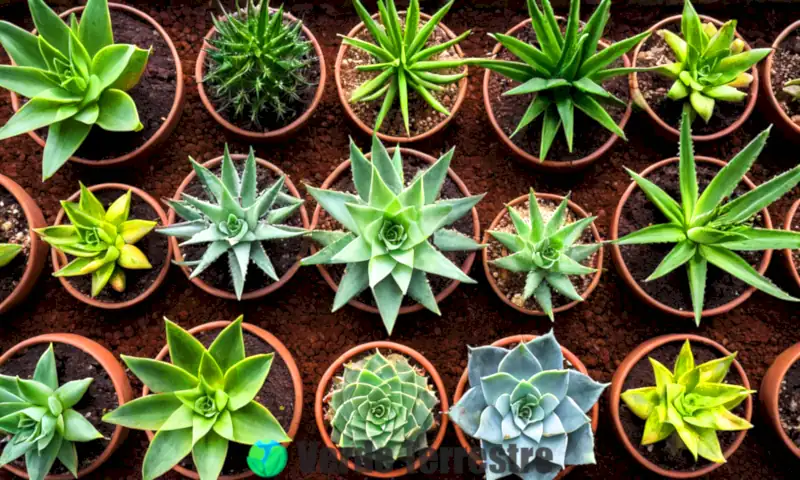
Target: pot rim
(466,266)
(618,381)
(788,252)
(115,372)
(515,339)
(462,90)
(769,393)
(626,275)
(322,391)
(669,129)
(575,209)
(272,134)
(789,125)
(288,359)
(224,294)
(59,259)
(174,113)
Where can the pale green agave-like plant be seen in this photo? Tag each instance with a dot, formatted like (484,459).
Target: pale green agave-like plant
(546,252)
(381,403)
(200,401)
(527,410)
(388,226)
(8,252)
(235,221)
(75,77)
(691,400)
(792,88)
(39,417)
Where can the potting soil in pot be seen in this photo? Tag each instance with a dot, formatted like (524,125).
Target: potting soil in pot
(13,229)
(789,403)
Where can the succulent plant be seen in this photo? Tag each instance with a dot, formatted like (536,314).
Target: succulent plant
(200,401)
(792,88)
(388,226)
(101,240)
(403,60)
(527,410)
(546,252)
(381,405)
(692,400)
(711,64)
(564,70)
(256,63)
(708,229)
(236,221)
(75,77)
(8,252)
(39,417)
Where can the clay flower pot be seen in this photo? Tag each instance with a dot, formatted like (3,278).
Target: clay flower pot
(626,275)
(280,351)
(343,169)
(38,251)
(353,354)
(670,131)
(152,144)
(579,213)
(770,392)
(109,363)
(618,381)
(60,260)
(229,295)
(369,129)
(281,133)
(530,159)
(793,268)
(506,342)
(774,110)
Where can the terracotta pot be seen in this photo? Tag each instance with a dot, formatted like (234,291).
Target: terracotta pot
(616,252)
(368,129)
(465,267)
(505,342)
(788,253)
(532,160)
(670,131)
(153,143)
(224,293)
(618,381)
(38,251)
(281,133)
(581,213)
(118,378)
(773,109)
(60,260)
(281,351)
(770,391)
(324,387)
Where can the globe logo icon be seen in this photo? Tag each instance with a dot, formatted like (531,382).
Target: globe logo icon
(267,459)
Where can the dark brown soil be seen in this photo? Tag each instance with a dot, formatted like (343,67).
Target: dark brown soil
(100,398)
(789,403)
(671,454)
(13,229)
(785,67)
(642,260)
(154,246)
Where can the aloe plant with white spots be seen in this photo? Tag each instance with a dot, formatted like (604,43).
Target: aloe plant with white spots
(528,411)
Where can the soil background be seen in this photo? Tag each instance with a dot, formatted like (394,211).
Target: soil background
(601,332)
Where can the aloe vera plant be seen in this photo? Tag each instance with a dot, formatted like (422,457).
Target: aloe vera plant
(37,413)
(708,228)
(75,77)
(693,401)
(8,252)
(792,88)
(201,400)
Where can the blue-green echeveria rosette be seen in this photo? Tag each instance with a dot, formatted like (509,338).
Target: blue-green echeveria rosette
(527,410)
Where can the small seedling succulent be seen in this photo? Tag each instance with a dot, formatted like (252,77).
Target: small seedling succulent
(381,404)
(403,60)
(564,70)
(75,77)
(256,63)
(711,64)
(527,410)
(39,417)
(707,229)
(691,400)
(388,226)
(236,221)
(101,240)
(792,88)
(546,252)
(8,252)
(200,401)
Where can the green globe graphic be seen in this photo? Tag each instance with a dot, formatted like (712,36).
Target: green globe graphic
(267,459)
